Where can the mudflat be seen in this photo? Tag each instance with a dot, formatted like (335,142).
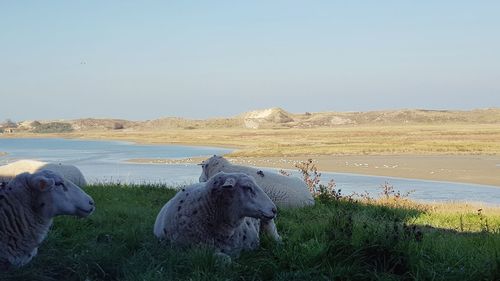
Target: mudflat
(480,169)
(477,169)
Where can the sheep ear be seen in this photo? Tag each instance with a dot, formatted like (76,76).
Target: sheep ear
(42,183)
(229,183)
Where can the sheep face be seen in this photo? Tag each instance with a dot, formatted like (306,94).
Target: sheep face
(242,195)
(53,195)
(211,166)
(204,172)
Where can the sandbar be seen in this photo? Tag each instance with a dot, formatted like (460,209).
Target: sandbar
(476,169)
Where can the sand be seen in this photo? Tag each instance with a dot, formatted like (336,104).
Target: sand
(477,169)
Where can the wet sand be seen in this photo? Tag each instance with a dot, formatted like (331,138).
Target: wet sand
(477,169)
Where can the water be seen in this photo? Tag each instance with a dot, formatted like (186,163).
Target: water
(422,190)
(104,161)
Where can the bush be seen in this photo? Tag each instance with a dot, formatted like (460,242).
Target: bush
(118,126)
(9,124)
(53,127)
(312,178)
(35,124)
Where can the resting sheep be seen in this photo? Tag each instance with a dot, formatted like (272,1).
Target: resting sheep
(227,213)
(69,172)
(28,204)
(284,191)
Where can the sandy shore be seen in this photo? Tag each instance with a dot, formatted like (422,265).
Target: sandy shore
(478,169)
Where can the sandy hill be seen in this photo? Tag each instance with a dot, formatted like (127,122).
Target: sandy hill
(277,117)
(266,117)
(274,118)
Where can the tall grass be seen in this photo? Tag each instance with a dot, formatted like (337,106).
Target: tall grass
(333,240)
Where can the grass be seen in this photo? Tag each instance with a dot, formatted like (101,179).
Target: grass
(415,139)
(333,240)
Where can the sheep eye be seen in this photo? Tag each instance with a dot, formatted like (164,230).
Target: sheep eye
(61,184)
(249,189)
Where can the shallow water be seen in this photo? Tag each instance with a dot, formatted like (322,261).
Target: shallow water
(104,161)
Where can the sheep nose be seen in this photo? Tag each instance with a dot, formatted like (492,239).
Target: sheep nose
(274,211)
(91,203)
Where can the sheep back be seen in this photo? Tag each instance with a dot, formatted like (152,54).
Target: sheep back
(69,172)
(284,191)
(21,230)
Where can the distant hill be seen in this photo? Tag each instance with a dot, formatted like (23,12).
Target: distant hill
(270,118)
(277,117)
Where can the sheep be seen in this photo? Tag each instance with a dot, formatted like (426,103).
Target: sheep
(28,204)
(227,213)
(69,172)
(288,192)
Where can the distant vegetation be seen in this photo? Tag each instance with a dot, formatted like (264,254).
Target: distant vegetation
(118,126)
(275,132)
(52,127)
(276,118)
(8,123)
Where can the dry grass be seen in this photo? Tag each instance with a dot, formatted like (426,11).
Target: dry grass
(456,139)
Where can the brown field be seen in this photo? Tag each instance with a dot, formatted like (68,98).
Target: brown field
(354,140)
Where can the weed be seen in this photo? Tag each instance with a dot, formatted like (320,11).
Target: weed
(312,178)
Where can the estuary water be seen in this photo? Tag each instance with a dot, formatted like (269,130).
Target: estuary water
(105,161)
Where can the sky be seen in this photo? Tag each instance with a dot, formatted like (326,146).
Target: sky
(143,60)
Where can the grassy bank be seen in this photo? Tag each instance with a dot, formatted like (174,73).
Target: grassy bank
(338,240)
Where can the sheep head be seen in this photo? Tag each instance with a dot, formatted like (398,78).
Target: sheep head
(242,196)
(52,195)
(212,166)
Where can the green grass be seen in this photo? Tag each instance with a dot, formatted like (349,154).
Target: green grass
(334,240)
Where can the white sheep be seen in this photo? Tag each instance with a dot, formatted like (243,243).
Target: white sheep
(285,191)
(225,213)
(28,204)
(69,172)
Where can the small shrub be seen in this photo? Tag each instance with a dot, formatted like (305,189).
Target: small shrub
(35,124)
(118,126)
(312,178)
(53,127)
(9,124)
(310,175)
(388,192)
(323,192)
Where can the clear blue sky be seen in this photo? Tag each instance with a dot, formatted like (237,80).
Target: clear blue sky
(197,59)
